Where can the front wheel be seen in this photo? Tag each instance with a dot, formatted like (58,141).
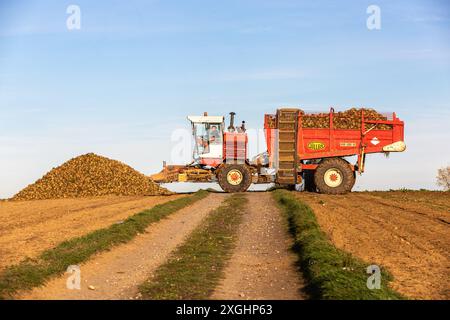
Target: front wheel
(334,176)
(234,178)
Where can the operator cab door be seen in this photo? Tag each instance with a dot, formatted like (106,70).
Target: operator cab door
(208,140)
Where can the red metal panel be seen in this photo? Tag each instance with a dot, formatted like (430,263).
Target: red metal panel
(235,146)
(270,132)
(330,142)
(213,162)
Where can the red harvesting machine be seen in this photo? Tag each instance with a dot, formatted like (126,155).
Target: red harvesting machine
(300,147)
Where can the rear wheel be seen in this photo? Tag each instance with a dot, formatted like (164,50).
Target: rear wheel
(234,178)
(334,176)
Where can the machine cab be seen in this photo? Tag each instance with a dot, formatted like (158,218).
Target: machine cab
(207,132)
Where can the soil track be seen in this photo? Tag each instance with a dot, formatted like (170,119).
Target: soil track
(116,274)
(407,233)
(262,265)
(29,227)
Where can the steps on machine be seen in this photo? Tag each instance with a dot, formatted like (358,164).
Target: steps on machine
(287,121)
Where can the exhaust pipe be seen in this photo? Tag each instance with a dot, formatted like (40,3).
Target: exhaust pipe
(231,126)
(243,129)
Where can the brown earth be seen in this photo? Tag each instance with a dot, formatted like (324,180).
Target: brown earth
(438,201)
(262,265)
(29,227)
(407,232)
(116,274)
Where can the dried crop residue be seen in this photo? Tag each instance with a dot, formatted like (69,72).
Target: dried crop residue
(116,274)
(410,238)
(90,175)
(29,227)
(262,265)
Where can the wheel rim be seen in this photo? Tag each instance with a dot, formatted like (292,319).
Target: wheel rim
(234,177)
(333,178)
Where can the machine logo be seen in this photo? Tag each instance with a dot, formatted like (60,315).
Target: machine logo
(316,145)
(375,141)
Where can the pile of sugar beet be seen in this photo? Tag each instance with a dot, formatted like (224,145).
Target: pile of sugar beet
(90,175)
(349,119)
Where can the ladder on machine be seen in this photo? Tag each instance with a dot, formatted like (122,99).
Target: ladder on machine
(287,124)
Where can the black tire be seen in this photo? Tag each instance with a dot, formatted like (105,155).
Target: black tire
(244,178)
(334,176)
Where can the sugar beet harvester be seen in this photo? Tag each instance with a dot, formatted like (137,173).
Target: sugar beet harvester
(297,149)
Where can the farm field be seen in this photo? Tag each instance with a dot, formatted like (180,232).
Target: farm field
(407,232)
(261,260)
(29,227)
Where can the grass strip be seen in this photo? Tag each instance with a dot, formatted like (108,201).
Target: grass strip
(331,273)
(196,267)
(32,273)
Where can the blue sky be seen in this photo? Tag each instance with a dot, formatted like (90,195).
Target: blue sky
(121,84)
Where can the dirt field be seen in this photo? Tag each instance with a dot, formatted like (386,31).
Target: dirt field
(116,274)
(29,227)
(262,265)
(407,232)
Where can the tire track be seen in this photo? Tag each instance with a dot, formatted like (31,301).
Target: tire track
(116,274)
(262,265)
